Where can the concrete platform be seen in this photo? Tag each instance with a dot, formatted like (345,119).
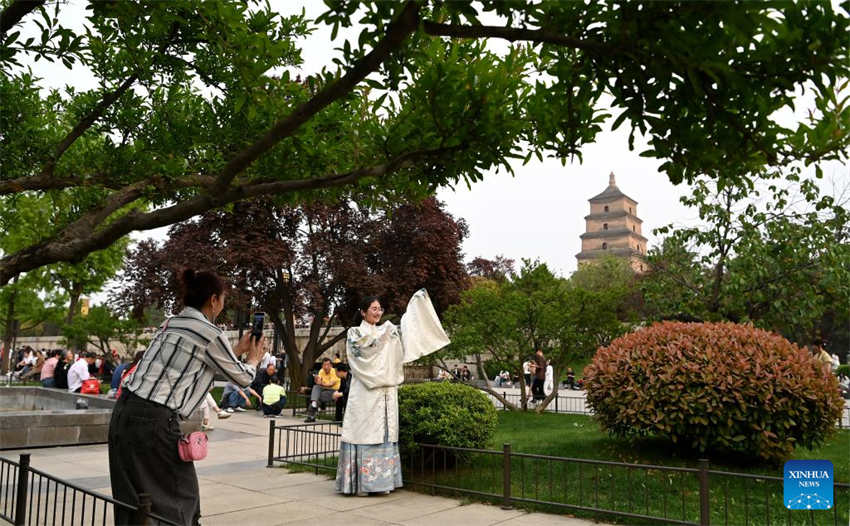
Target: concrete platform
(237,487)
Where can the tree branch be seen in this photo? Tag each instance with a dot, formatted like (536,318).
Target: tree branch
(404,24)
(15,11)
(84,236)
(46,182)
(513,34)
(85,123)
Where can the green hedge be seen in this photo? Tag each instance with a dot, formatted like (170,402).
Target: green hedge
(446,414)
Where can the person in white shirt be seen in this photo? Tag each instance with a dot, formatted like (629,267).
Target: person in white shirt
(79,372)
(267,360)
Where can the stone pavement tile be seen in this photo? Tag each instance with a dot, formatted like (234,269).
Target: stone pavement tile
(345,519)
(319,487)
(406,506)
(262,515)
(265,480)
(348,503)
(469,515)
(547,519)
(211,468)
(220,498)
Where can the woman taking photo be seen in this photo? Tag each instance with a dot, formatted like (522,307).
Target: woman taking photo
(169,383)
(369,459)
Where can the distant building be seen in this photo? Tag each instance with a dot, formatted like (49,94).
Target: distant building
(613,229)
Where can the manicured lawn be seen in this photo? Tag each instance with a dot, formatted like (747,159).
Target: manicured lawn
(541,483)
(651,492)
(579,436)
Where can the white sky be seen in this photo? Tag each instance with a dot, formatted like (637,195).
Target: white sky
(537,214)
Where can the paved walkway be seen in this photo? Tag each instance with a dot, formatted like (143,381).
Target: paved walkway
(238,489)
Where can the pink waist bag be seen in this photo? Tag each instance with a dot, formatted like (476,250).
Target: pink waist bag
(192,447)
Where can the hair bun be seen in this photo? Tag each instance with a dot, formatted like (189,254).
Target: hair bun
(188,276)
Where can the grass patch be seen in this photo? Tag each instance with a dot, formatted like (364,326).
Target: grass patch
(579,436)
(674,495)
(651,492)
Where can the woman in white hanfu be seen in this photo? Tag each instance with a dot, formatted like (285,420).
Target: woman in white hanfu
(368,458)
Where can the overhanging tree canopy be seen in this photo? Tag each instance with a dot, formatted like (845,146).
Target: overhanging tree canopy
(195,108)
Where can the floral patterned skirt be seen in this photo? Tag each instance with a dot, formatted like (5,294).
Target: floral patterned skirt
(368,468)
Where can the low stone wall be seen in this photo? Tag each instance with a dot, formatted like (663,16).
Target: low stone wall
(38,417)
(54,428)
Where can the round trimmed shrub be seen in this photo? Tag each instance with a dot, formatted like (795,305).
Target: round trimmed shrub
(446,414)
(714,386)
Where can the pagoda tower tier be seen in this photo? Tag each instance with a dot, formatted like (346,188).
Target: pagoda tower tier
(613,229)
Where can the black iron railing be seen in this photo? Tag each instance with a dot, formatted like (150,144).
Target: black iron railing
(313,445)
(30,496)
(634,492)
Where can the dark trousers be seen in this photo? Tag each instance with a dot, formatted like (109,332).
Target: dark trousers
(340,408)
(143,459)
(275,408)
(537,389)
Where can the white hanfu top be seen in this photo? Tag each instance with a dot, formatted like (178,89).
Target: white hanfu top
(376,354)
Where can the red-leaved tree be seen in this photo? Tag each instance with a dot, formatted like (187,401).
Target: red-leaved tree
(305,266)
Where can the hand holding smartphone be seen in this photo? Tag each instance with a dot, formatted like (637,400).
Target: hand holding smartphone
(257,322)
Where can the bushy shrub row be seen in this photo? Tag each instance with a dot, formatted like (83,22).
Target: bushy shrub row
(714,386)
(446,414)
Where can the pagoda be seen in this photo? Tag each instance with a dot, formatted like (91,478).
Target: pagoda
(613,229)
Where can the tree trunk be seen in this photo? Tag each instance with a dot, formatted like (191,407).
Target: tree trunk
(523,395)
(75,291)
(9,330)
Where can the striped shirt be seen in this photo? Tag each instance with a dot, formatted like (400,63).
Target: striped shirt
(178,366)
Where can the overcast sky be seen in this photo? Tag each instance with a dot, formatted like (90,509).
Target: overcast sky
(540,212)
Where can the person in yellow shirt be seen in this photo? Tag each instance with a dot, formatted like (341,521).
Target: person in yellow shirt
(327,382)
(274,398)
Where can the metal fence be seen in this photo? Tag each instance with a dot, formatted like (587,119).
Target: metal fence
(636,492)
(562,403)
(314,445)
(29,496)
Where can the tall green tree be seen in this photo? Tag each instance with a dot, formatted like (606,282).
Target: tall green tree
(306,266)
(781,263)
(507,321)
(103,328)
(195,106)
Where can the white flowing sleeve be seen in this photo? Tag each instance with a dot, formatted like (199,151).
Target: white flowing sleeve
(374,360)
(421,331)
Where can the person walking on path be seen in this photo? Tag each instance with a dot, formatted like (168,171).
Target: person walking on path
(171,381)
(369,459)
(539,377)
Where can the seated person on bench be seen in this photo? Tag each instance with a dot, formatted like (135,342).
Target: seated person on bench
(327,382)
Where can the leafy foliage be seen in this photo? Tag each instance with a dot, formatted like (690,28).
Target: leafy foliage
(566,319)
(195,105)
(446,414)
(714,386)
(103,328)
(769,261)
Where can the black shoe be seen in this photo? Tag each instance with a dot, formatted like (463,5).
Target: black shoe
(310,418)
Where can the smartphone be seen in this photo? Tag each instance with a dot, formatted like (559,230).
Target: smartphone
(257,323)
